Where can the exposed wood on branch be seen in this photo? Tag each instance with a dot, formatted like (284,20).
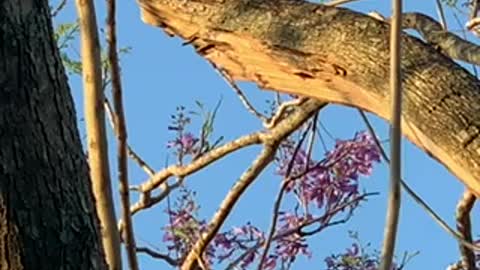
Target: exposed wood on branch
(340,56)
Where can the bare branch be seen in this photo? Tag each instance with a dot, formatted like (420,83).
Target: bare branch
(441,14)
(157,255)
(181,171)
(96,134)
(282,111)
(241,95)
(146,202)
(394,196)
(131,153)
(474,10)
(262,161)
(464,226)
(122,148)
(59,8)
(449,43)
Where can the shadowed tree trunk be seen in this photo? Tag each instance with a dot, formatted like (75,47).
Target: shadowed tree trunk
(340,56)
(47,215)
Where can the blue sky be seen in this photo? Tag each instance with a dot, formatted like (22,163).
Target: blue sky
(160,74)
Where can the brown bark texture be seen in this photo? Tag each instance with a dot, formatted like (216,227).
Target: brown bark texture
(340,56)
(47,215)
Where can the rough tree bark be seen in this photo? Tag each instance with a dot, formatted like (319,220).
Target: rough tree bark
(340,56)
(47,215)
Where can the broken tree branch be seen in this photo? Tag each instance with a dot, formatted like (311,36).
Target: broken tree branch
(293,47)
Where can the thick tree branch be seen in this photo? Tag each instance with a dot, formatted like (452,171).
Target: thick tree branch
(314,50)
(459,237)
(96,134)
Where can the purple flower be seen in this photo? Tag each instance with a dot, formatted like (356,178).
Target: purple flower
(185,144)
(333,180)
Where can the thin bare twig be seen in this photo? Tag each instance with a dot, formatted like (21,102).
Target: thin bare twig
(250,108)
(122,148)
(464,226)
(59,8)
(131,153)
(215,154)
(465,37)
(96,134)
(394,196)
(157,255)
(441,14)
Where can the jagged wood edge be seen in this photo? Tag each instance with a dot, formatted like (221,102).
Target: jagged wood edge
(336,55)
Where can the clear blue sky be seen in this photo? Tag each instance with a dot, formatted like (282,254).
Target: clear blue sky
(160,74)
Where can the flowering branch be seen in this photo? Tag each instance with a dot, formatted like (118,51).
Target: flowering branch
(271,142)
(286,183)
(298,228)
(121,132)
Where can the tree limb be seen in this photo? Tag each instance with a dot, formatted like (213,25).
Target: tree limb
(464,226)
(313,50)
(394,195)
(96,134)
(121,133)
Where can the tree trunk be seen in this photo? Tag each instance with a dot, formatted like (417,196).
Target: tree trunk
(340,56)
(47,215)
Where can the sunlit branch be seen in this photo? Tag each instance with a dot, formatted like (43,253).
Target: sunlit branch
(96,133)
(394,195)
(121,132)
(464,227)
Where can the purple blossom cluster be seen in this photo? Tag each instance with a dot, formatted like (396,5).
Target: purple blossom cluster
(323,188)
(245,243)
(240,242)
(355,258)
(335,178)
(184,227)
(185,143)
